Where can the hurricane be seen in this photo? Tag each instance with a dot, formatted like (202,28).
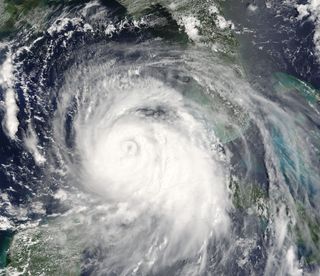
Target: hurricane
(158,139)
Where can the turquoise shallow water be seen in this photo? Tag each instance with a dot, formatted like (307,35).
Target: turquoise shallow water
(160,139)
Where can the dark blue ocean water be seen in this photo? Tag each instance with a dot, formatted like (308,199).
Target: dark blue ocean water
(270,41)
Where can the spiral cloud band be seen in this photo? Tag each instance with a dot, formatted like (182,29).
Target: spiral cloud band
(139,142)
(144,141)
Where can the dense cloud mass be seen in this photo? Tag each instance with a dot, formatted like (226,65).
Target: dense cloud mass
(145,140)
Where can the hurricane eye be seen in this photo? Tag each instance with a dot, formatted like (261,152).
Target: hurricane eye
(160,137)
(130,148)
